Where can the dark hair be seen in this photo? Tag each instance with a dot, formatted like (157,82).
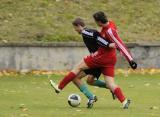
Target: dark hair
(78,21)
(100,16)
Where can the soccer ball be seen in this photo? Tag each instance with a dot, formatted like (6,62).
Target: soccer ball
(74,100)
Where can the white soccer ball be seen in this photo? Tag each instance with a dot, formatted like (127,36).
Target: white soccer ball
(74,100)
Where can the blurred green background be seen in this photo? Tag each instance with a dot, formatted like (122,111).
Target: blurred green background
(50,20)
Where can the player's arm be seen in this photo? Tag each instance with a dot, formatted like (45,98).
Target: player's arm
(102,42)
(121,46)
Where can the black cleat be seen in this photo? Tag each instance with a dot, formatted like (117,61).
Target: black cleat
(113,96)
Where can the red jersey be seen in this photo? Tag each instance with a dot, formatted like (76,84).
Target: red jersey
(109,32)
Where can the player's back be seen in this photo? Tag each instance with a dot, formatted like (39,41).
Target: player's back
(90,40)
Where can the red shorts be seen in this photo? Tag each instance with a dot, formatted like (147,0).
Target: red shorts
(103,61)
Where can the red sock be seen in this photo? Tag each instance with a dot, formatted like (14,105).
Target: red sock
(68,78)
(119,94)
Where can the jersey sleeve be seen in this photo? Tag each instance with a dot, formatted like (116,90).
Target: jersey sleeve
(100,40)
(96,35)
(113,35)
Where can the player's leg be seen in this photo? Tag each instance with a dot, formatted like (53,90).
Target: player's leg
(77,79)
(93,78)
(109,79)
(86,63)
(69,77)
(83,88)
(94,81)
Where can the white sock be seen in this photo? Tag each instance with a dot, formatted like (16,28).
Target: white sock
(124,102)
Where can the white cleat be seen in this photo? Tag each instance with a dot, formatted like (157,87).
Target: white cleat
(126,103)
(55,86)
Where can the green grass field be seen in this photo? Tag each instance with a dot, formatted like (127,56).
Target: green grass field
(50,20)
(31,96)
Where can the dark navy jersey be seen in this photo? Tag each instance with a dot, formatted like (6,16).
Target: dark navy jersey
(93,40)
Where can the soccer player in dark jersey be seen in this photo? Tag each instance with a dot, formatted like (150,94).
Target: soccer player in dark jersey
(93,41)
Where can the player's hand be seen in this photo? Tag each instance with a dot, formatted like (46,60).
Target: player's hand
(133,64)
(112,45)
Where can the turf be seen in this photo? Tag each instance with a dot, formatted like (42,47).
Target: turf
(31,96)
(50,20)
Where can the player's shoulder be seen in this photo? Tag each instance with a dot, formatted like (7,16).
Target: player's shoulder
(112,25)
(89,31)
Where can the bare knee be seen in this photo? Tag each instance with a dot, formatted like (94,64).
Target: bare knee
(80,67)
(77,70)
(110,83)
(90,80)
(111,86)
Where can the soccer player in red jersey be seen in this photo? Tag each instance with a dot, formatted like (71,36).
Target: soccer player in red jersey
(103,58)
(109,32)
